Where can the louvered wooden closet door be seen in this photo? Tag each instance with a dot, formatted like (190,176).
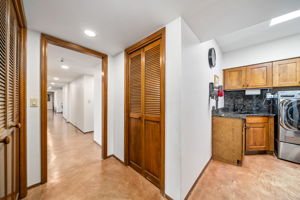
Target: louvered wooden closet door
(145,111)
(135,116)
(9,101)
(152,111)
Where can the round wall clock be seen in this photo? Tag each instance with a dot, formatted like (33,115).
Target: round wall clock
(212,57)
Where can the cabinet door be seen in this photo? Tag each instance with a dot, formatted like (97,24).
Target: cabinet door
(257,137)
(227,139)
(259,76)
(286,73)
(235,78)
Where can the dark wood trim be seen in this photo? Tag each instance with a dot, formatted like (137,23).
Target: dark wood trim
(18,4)
(115,157)
(44,168)
(23,111)
(151,38)
(195,183)
(34,185)
(126,108)
(79,128)
(168,197)
(162,105)
(104,105)
(45,40)
(69,45)
(161,34)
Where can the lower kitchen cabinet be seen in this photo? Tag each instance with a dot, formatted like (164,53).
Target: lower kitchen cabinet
(259,134)
(233,137)
(228,140)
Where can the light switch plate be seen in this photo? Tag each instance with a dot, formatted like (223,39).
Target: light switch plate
(33,102)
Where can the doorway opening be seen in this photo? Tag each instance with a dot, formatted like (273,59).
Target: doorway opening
(73,103)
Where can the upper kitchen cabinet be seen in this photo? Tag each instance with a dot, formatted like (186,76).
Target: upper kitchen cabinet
(254,76)
(259,76)
(286,73)
(235,78)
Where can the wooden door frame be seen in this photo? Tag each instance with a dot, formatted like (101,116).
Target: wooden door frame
(19,8)
(161,34)
(45,40)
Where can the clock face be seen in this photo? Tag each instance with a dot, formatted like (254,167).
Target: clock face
(212,57)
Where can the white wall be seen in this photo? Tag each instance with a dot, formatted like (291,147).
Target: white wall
(116,105)
(81,99)
(58,101)
(276,50)
(33,113)
(76,102)
(188,108)
(195,113)
(65,96)
(172,115)
(98,105)
(89,103)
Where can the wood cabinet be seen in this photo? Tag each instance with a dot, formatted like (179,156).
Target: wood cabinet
(259,134)
(235,78)
(233,137)
(286,73)
(254,76)
(228,139)
(259,76)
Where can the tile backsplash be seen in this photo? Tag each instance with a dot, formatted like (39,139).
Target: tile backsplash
(238,101)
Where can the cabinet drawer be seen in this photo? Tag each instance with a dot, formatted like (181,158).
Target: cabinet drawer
(257,119)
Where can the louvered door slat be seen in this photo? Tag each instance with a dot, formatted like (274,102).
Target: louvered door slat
(135,84)
(17,79)
(11,68)
(135,106)
(3,53)
(152,80)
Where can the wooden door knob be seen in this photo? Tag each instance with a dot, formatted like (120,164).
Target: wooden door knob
(5,140)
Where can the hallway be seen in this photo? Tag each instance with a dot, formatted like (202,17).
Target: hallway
(76,170)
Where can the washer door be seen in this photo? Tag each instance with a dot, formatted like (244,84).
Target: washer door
(292,114)
(289,119)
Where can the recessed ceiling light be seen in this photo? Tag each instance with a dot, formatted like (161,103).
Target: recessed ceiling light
(56,78)
(52,83)
(90,33)
(65,67)
(284,18)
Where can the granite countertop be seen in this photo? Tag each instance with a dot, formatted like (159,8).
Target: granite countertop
(240,115)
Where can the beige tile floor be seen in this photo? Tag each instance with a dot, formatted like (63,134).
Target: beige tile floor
(77,172)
